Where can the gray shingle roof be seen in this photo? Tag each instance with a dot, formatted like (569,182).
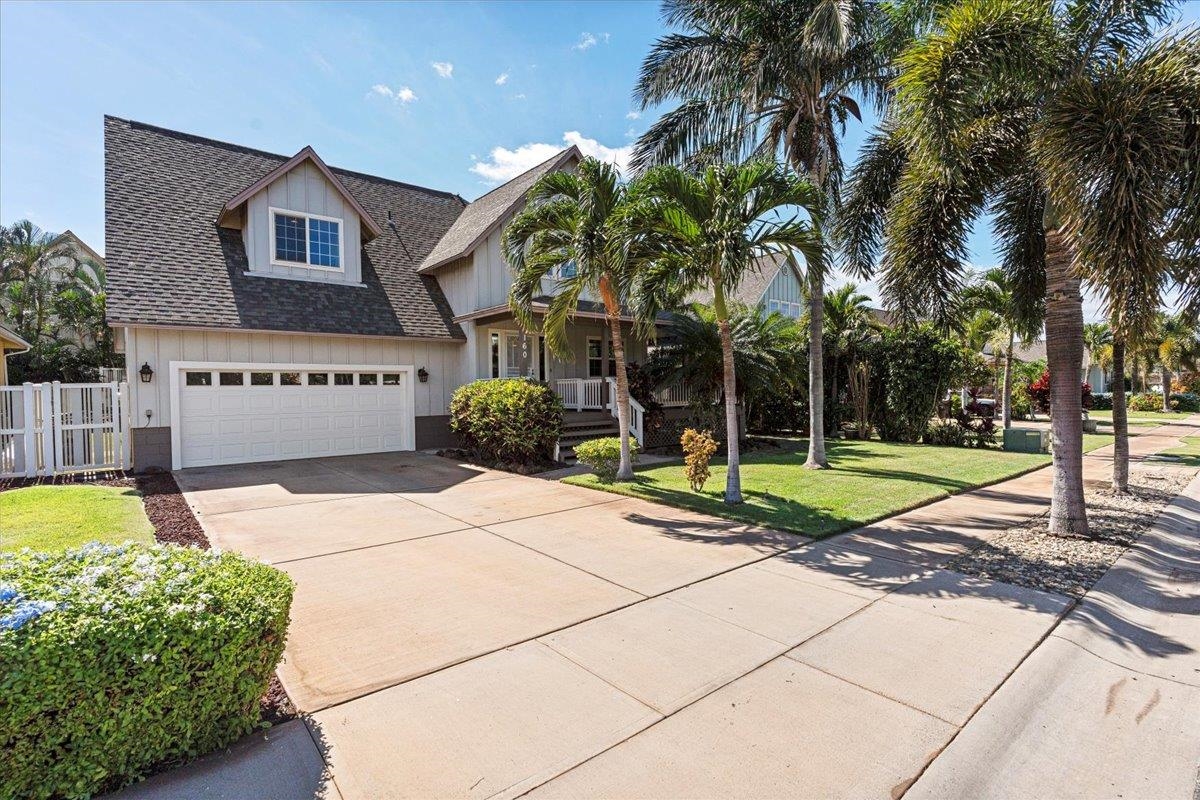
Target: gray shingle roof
(170,264)
(484,214)
(754,283)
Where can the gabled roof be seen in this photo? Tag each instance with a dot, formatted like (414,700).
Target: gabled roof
(86,249)
(306,154)
(10,341)
(754,283)
(170,263)
(484,215)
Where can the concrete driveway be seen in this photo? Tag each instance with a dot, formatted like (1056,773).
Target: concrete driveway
(459,632)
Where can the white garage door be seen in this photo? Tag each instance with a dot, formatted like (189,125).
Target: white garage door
(232,413)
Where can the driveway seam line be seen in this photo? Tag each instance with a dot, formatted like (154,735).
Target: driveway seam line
(598,676)
(974,712)
(503,538)
(482,525)
(367,546)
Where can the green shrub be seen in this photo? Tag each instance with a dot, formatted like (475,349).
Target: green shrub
(698,448)
(1186,401)
(914,367)
(509,420)
(604,456)
(116,658)
(1102,401)
(946,433)
(1022,405)
(1146,401)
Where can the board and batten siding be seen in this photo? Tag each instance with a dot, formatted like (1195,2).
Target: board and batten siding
(491,277)
(446,361)
(785,288)
(302,189)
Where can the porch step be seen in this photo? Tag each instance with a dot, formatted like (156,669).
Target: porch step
(578,431)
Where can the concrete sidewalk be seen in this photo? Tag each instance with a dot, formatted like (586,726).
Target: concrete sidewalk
(1109,704)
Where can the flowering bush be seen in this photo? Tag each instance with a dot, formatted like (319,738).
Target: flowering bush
(509,420)
(1146,401)
(1039,393)
(604,456)
(116,658)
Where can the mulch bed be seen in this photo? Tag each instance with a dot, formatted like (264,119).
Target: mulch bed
(112,478)
(1028,555)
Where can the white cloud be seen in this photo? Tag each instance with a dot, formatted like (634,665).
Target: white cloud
(633,115)
(520,96)
(401,95)
(589,40)
(444,69)
(504,164)
(502,79)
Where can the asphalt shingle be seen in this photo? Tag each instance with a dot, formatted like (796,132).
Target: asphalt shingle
(170,264)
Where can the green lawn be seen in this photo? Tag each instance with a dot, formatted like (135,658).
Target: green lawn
(1187,454)
(57,517)
(1141,417)
(869,481)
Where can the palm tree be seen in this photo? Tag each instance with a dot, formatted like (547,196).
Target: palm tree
(690,353)
(1097,338)
(987,117)
(1178,349)
(847,314)
(32,265)
(576,218)
(994,293)
(710,229)
(765,77)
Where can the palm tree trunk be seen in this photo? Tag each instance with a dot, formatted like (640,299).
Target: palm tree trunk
(1135,379)
(816,372)
(1120,479)
(836,421)
(1006,392)
(1166,389)
(733,479)
(613,311)
(1064,354)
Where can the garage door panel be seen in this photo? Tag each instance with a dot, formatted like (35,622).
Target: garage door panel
(229,424)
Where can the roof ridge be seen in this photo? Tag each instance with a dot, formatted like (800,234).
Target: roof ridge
(283,158)
(537,166)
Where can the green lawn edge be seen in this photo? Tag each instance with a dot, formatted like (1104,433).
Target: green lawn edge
(57,517)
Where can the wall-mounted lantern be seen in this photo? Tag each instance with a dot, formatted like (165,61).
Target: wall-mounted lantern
(423,375)
(145,372)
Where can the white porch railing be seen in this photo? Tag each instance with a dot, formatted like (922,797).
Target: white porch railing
(581,394)
(637,414)
(52,428)
(674,396)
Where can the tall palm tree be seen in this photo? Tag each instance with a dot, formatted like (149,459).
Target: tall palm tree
(576,218)
(765,77)
(710,229)
(993,292)
(847,314)
(1097,338)
(987,113)
(32,266)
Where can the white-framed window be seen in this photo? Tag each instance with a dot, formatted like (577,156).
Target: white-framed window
(299,239)
(565,271)
(784,307)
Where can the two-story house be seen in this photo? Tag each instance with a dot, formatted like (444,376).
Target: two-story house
(273,307)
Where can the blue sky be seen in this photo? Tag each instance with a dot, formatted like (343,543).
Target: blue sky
(455,96)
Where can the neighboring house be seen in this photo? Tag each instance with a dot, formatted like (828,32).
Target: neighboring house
(272,307)
(79,251)
(1036,351)
(771,285)
(10,344)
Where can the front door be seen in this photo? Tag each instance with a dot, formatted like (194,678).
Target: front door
(516,356)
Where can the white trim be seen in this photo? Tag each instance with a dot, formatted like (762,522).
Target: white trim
(307,263)
(587,354)
(150,327)
(175,370)
(253,274)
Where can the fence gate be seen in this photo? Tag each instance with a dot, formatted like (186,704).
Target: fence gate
(54,428)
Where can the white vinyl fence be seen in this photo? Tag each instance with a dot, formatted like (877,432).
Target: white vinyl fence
(55,428)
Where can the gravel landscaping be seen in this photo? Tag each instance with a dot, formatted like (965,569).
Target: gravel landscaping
(1027,555)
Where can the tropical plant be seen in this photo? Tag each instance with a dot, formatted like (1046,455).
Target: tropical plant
(994,294)
(1178,349)
(508,421)
(54,299)
(1012,106)
(709,230)
(689,352)
(698,448)
(848,322)
(603,456)
(576,220)
(766,77)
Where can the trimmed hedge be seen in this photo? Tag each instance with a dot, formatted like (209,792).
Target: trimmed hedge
(604,456)
(114,659)
(509,420)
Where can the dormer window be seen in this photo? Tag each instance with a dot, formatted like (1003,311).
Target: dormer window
(307,240)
